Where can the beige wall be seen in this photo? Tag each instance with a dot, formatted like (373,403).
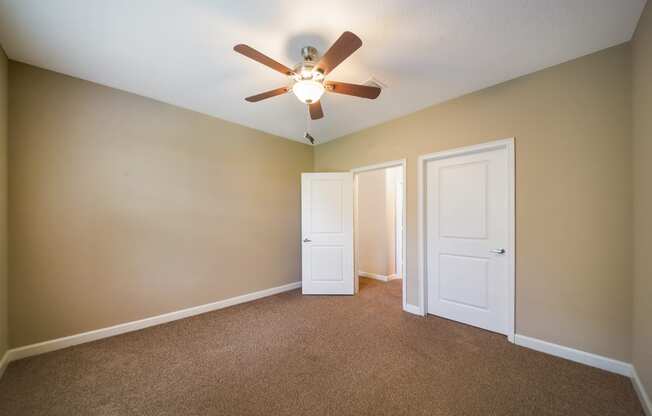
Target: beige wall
(4,298)
(122,207)
(572,125)
(642,95)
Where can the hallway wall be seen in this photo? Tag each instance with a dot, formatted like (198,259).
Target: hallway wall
(642,95)
(375,223)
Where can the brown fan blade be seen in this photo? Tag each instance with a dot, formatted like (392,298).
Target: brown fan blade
(267,94)
(251,53)
(315,111)
(341,49)
(356,90)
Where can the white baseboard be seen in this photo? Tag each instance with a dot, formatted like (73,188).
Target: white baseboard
(646,403)
(412,309)
(393,277)
(380,277)
(582,357)
(59,343)
(608,364)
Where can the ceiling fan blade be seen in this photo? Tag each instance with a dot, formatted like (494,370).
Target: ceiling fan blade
(315,111)
(267,94)
(343,47)
(251,53)
(364,91)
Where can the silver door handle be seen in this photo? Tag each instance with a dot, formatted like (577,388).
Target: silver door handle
(498,251)
(305,240)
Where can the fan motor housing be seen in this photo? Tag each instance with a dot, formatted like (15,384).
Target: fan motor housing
(306,70)
(309,53)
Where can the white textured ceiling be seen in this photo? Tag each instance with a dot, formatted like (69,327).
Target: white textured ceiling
(426,51)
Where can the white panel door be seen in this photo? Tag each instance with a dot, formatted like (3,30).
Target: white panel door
(327,233)
(467,214)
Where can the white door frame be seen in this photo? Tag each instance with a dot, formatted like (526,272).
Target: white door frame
(394,163)
(398,233)
(507,144)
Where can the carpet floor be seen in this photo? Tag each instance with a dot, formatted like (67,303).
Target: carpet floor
(311,355)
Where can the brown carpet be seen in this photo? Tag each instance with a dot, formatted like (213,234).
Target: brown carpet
(311,355)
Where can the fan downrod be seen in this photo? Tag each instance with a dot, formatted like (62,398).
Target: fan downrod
(309,53)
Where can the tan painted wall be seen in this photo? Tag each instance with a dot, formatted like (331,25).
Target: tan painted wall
(572,125)
(4,297)
(122,207)
(642,97)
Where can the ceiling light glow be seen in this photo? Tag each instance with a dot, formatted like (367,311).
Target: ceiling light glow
(308,91)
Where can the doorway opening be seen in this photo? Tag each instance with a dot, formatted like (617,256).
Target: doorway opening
(379,225)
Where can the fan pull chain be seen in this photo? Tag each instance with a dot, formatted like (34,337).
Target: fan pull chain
(307,135)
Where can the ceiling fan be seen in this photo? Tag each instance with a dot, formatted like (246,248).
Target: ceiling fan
(307,79)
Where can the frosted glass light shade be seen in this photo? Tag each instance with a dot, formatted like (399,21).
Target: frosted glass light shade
(308,91)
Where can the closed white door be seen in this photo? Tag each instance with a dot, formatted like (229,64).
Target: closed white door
(327,233)
(467,214)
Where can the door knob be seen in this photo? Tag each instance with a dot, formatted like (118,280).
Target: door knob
(498,251)
(305,240)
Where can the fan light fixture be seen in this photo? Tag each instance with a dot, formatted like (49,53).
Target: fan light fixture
(307,79)
(308,91)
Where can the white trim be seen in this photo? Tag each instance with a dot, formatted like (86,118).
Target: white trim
(582,357)
(412,309)
(380,277)
(590,359)
(399,183)
(646,403)
(403,164)
(59,343)
(507,144)
(421,235)
(356,272)
(383,165)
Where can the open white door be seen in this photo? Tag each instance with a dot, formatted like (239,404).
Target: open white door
(327,233)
